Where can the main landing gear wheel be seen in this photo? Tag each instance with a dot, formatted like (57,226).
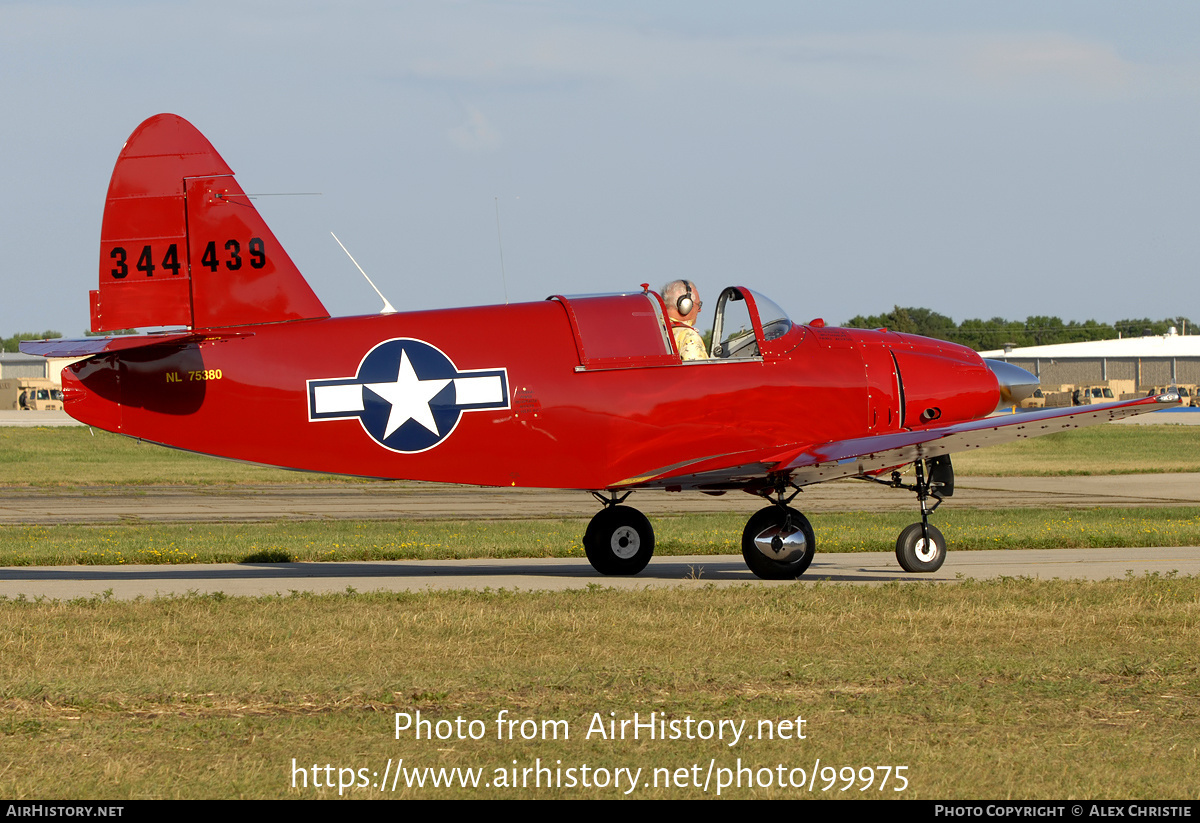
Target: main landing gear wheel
(619,540)
(778,543)
(918,554)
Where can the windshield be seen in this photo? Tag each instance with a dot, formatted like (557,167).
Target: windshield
(775,322)
(733,327)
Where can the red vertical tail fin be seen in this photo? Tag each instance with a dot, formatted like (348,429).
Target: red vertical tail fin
(181,243)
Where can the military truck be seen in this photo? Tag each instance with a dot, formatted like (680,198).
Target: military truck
(1105,392)
(30,394)
(1037,400)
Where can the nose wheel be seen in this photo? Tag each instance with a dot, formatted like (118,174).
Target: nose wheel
(921,553)
(920,548)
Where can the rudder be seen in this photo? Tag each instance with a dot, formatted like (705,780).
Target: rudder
(181,243)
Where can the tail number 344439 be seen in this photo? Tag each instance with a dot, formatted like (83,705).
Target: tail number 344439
(212,259)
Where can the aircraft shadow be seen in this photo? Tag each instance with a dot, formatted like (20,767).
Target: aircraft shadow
(714,570)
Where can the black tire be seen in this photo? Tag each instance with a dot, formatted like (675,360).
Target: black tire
(766,567)
(917,556)
(619,540)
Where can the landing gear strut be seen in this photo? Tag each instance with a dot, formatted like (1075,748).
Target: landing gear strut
(921,547)
(778,542)
(619,540)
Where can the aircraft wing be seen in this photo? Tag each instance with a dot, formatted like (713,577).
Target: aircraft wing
(817,463)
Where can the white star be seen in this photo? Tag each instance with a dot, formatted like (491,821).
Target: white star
(409,396)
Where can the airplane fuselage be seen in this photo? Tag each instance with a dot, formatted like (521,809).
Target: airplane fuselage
(521,403)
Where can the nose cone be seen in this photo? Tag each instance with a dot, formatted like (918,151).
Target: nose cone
(1015,383)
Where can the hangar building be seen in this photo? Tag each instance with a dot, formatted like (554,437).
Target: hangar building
(14,365)
(1150,361)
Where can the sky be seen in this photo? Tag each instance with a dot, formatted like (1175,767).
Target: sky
(979,159)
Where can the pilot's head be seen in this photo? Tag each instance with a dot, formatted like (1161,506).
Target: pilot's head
(682,300)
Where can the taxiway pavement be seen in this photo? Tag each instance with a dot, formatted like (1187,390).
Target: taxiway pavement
(249,579)
(433,501)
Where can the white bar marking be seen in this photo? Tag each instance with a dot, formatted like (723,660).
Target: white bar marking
(335,399)
(470,391)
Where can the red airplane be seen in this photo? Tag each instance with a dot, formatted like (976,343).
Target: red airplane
(572,392)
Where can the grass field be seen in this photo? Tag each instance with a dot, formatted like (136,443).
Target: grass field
(341,540)
(1094,450)
(1007,689)
(1003,689)
(79,456)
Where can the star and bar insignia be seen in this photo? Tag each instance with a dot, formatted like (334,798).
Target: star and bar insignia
(408,395)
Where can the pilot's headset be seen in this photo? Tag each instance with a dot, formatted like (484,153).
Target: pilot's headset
(685,302)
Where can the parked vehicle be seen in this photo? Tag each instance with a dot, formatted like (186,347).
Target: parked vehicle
(30,394)
(1037,400)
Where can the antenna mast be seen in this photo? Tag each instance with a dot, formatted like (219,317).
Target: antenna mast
(387,307)
(500,243)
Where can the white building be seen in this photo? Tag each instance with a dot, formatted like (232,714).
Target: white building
(1159,360)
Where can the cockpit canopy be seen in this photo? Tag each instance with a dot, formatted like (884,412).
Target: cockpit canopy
(630,330)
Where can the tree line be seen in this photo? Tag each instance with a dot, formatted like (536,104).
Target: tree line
(13,343)
(1035,330)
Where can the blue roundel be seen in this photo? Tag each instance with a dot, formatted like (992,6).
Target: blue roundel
(396,378)
(407,394)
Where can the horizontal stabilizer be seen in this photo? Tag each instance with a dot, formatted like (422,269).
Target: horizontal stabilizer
(88,346)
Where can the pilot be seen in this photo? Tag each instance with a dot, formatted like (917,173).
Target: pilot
(683,305)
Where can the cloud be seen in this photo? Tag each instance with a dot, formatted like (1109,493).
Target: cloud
(1051,59)
(477,134)
(549,53)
